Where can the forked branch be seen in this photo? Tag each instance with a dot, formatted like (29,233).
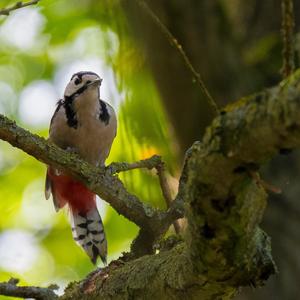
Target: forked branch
(99,180)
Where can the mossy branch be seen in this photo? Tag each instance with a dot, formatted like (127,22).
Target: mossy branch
(223,248)
(102,181)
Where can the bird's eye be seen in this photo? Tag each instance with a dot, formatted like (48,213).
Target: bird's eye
(88,82)
(77,81)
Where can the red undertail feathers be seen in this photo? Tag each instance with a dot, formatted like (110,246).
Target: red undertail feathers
(87,227)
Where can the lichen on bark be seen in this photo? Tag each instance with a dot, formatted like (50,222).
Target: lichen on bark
(223,247)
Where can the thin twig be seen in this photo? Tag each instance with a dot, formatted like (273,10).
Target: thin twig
(177,206)
(150,163)
(11,289)
(288,24)
(20,4)
(174,42)
(166,191)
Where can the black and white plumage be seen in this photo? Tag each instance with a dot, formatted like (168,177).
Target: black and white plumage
(88,232)
(87,125)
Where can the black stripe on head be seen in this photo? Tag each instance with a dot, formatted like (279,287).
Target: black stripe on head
(75,94)
(79,91)
(68,102)
(83,88)
(104,115)
(80,74)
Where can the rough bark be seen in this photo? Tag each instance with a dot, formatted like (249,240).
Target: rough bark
(223,248)
(99,180)
(218,36)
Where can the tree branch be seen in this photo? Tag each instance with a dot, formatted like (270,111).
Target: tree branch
(20,4)
(166,191)
(11,289)
(224,248)
(98,180)
(149,163)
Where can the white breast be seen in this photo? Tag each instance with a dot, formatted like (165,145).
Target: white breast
(92,138)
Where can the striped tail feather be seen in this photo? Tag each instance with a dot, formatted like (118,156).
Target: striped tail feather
(88,232)
(87,226)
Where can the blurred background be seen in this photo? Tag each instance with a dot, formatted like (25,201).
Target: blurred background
(236,46)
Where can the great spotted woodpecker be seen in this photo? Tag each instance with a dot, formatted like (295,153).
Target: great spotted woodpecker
(85,124)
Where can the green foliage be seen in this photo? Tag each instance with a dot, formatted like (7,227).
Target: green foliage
(65,33)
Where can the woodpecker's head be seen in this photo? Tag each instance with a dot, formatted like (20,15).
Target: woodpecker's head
(82,81)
